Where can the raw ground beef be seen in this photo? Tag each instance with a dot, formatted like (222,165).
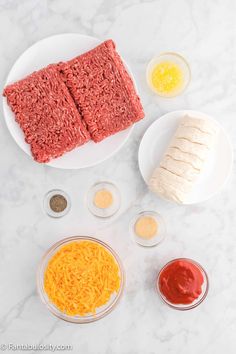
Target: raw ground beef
(102,90)
(47,114)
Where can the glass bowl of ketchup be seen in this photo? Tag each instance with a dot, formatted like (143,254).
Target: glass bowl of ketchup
(182,284)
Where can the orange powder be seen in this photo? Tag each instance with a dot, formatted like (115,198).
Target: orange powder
(80,277)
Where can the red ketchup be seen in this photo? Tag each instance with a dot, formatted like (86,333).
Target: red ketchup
(181,281)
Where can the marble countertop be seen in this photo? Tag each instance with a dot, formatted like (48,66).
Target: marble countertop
(205,33)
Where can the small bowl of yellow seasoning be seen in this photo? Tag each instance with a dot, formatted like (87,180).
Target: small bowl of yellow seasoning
(148,228)
(80,279)
(168,74)
(103,199)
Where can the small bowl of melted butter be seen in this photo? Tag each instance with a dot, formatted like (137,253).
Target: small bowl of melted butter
(148,228)
(168,74)
(103,199)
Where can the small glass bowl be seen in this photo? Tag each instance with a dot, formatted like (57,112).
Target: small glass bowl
(156,239)
(199,300)
(178,60)
(46,203)
(106,212)
(101,311)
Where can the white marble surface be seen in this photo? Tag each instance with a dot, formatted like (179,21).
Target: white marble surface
(205,33)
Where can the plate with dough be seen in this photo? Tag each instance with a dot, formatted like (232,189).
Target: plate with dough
(185,157)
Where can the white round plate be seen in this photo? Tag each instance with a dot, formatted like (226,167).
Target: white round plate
(156,139)
(53,49)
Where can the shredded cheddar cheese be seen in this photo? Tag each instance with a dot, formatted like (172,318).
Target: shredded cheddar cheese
(80,277)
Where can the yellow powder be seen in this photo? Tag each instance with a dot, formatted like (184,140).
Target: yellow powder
(103,199)
(80,277)
(167,77)
(146,227)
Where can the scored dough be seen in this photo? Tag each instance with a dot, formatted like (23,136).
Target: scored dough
(184,159)
(177,154)
(194,135)
(169,185)
(201,151)
(205,125)
(180,168)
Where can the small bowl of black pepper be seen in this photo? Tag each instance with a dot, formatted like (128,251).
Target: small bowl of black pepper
(56,203)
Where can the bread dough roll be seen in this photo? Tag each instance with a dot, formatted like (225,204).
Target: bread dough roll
(205,125)
(180,168)
(194,135)
(184,159)
(187,157)
(201,151)
(169,185)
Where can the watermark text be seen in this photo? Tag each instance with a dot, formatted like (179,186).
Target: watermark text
(24,347)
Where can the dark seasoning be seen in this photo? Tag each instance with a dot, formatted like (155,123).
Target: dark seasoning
(58,203)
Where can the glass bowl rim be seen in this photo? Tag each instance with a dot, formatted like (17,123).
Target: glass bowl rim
(145,212)
(179,56)
(118,193)
(184,307)
(46,199)
(40,277)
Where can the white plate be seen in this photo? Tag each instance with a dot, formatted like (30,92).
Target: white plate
(52,50)
(156,139)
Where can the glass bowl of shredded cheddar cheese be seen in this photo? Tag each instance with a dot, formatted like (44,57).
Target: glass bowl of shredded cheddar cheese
(80,279)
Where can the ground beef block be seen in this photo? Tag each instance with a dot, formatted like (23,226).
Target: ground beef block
(102,90)
(47,114)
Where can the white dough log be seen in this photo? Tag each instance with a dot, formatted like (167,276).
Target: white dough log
(169,185)
(180,168)
(205,125)
(193,159)
(184,159)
